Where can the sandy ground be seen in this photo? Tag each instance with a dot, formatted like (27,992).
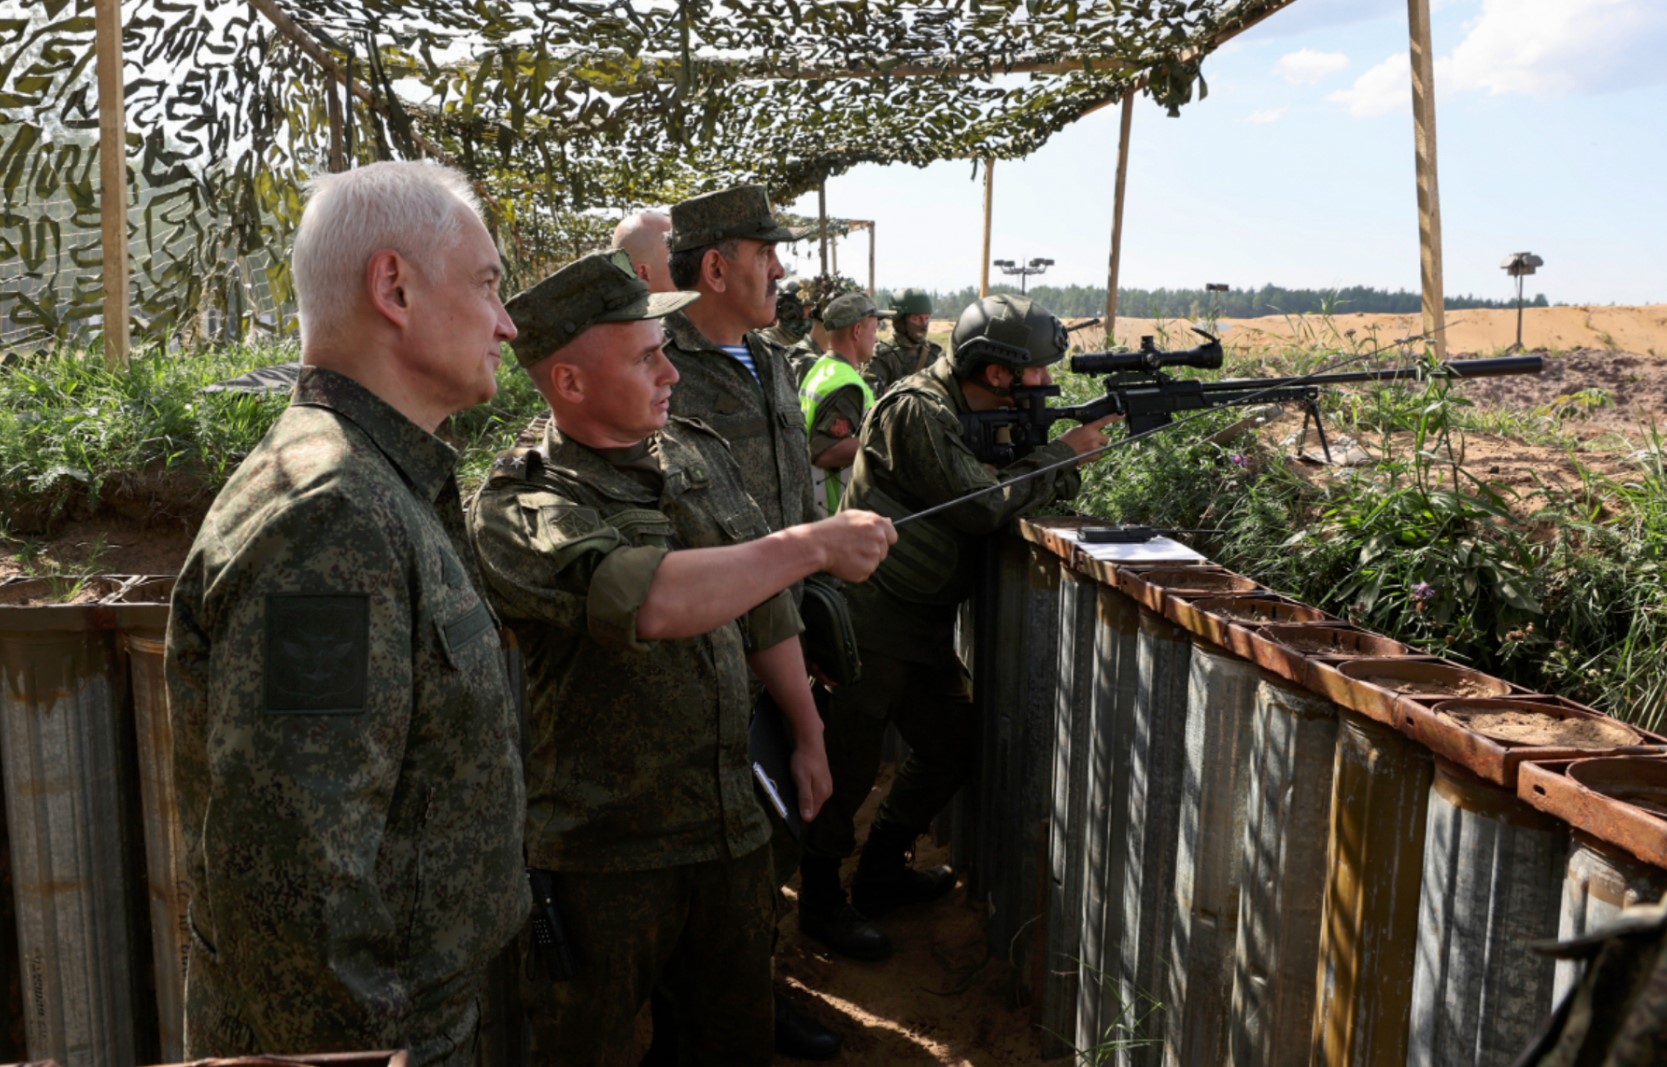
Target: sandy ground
(1641,330)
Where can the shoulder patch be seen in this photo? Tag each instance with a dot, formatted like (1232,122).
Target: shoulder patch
(317,654)
(571,521)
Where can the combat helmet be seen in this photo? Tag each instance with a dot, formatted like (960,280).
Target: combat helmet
(1009,330)
(912,302)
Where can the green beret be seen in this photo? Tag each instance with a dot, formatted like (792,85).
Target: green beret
(600,287)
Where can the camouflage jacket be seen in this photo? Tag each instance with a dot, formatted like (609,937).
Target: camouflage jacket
(345,742)
(638,749)
(893,362)
(759,417)
(912,457)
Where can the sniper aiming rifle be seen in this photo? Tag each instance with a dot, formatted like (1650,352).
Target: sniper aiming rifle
(1138,388)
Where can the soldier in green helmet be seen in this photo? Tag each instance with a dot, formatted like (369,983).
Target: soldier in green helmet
(835,397)
(911,456)
(792,320)
(643,583)
(908,352)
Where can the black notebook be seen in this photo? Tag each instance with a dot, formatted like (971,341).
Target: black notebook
(771,749)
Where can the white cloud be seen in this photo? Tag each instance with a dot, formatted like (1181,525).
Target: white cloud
(1272,114)
(1385,88)
(1308,66)
(1553,48)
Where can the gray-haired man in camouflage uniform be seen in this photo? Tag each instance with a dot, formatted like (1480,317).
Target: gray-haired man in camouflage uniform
(345,739)
(642,583)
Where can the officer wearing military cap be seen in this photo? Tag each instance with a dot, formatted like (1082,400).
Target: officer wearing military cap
(835,397)
(642,582)
(345,743)
(723,246)
(908,352)
(911,456)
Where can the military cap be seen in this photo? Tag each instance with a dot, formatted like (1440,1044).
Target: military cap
(743,211)
(600,287)
(848,308)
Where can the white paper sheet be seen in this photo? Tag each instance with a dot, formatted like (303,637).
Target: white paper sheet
(1157,550)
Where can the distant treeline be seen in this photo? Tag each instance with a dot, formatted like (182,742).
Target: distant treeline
(1077,301)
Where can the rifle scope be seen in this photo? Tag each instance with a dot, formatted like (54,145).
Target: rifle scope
(1150,358)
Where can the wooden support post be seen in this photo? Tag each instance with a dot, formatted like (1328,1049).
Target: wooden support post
(1116,262)
(822,223)
(333,109)
(833,252)
(989,198)
(871,265)
(1429,194)
(112,173)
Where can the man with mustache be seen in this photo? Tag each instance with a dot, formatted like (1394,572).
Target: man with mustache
(642,583)
(723,246)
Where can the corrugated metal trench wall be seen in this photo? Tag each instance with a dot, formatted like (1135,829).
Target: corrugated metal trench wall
(1216,827)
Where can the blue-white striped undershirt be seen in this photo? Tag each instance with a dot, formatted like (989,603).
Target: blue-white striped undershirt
(744,357)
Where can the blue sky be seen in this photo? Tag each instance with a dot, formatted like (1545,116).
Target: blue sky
(1297,170)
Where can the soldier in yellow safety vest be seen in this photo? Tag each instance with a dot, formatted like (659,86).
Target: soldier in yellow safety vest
(834,396)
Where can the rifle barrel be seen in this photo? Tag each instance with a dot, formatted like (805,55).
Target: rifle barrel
(1458,368)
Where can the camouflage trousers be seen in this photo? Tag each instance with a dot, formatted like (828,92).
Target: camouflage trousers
(931,706)
(702,931)
(445,1025)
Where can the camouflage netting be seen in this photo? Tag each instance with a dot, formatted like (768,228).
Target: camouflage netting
(565,114)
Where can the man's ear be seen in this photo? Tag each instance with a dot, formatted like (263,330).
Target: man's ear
(995,376)
(714,270)
(566,381)
(388,280)
(641,269)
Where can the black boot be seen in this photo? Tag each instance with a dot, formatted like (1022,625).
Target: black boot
(799,1037)
(826,916)
(884,880)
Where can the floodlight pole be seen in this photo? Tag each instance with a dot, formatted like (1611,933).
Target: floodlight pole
(112,174)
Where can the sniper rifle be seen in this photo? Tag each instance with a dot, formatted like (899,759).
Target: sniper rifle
(1138,388)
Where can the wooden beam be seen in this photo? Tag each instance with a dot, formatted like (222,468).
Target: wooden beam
(871,264)
(822,223)
(316,52)
(989,198)
(1116,262)
(112,174)
(1429,193)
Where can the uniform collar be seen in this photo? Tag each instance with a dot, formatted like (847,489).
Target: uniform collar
(681,467)
(426,463)
(942,372)
(687,336)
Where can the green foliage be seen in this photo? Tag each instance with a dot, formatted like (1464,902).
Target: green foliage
(1569,600)
(71,431)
